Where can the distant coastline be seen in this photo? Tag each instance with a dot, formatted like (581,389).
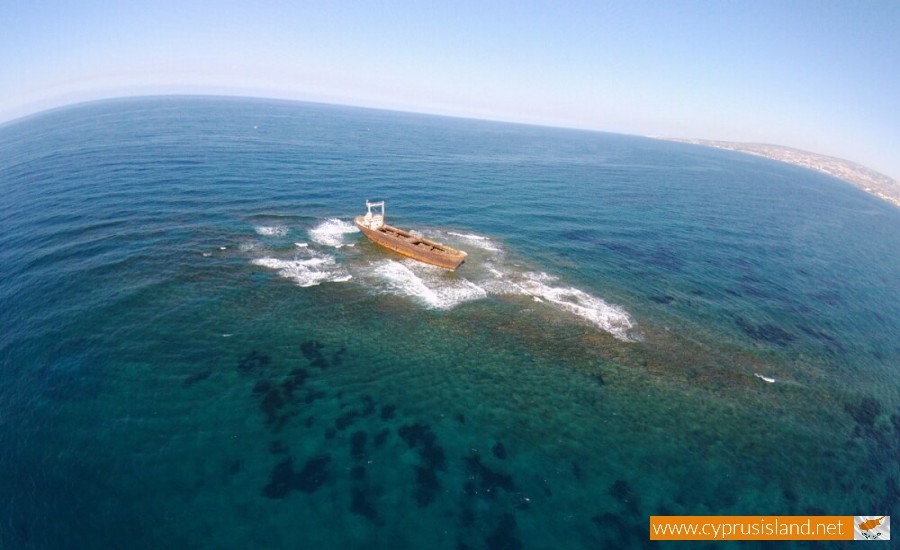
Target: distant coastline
(868,180)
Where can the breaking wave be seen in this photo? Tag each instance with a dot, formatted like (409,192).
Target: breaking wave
(331,232)
(611,318)
(485,243)
(431,285)
(271,230)
(488,272)
(307,272)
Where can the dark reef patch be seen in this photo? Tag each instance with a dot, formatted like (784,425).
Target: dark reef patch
(234,467)
(427,486)
(387,412)
(623,492)
(619,248)
(433,459)
(278,447)
(312,350)
(294,380)
(864,411)
(666,259)
(665,299)
(283,479)
(262,387)
(831,298)
(196,377)
(381,437)
(416,434)
(368,405)
(358,445)
(338,357)
(618,533)
(467,515)
(254,362)
(272,404)
(314,474)
(278,400)
(361,505)
(832,345)
(499,451)
(433,456)
(312,395)
(503,537)
(576,470)
(489,481)
(765,332)
(345,420)
(358,473)
(757,292)
(789,494)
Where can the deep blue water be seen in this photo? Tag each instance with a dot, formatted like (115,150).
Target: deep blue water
(198,350)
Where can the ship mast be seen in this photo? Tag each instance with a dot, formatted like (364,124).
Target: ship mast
(376,220)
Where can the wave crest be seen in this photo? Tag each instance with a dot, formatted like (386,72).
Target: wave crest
(491,273)
(611,318)
(429,285)
(271,230)
(331,232)
(307,272)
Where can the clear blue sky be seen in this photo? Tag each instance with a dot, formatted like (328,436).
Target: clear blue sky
(818,75)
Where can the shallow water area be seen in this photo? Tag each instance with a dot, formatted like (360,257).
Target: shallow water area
(199,349)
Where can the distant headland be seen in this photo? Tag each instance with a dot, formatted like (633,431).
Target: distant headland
(866,179)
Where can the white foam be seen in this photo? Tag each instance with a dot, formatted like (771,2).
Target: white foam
(611,318)
(331,232)
(308,271)
(433,287)
(768,379)
(272,230)
(430,285)
(485,243)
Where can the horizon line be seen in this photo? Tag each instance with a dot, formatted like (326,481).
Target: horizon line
(407,110)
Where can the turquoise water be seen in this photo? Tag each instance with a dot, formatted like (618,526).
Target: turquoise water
(198,350)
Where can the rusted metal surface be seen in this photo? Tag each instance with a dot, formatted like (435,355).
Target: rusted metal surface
(414,246)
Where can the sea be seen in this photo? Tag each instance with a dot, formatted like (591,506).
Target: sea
(198,349)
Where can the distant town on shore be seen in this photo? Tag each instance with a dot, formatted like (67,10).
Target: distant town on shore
(866,179)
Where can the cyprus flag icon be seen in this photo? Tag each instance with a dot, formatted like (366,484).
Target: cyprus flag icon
(871,527)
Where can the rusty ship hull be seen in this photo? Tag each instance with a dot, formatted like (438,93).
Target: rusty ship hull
(413,246)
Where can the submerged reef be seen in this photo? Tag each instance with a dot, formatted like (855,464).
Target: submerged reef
(485,481)
(765,332)
(358,445)
(254,362)
(284,479)
(312,350)
(432,459)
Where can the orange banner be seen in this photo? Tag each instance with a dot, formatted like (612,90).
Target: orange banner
(751,527)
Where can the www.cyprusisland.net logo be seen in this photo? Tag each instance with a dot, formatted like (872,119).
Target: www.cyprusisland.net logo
(871,527)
